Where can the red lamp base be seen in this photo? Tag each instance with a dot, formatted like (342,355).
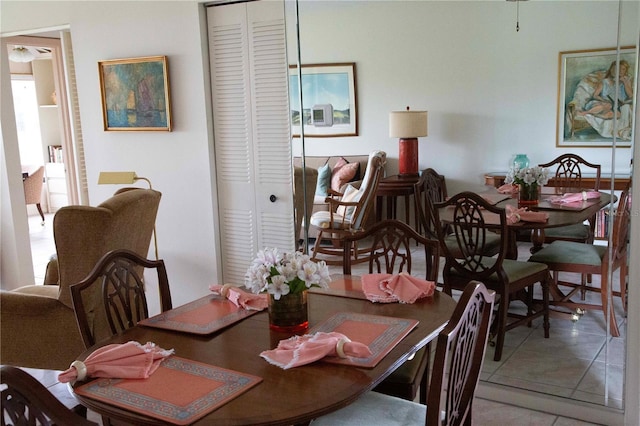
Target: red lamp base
(408,158)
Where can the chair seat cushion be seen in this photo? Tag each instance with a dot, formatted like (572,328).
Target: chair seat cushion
(492,245)
(374,408)
(323,220)
(39,290)
(578,231)
(403,377)
(514,269)
(570,252)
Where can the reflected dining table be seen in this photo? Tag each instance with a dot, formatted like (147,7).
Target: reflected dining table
(296,395)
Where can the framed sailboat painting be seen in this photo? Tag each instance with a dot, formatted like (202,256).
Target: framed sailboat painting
(135,94)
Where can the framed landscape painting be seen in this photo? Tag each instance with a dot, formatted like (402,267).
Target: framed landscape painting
(589,115)
(135,94)
(328,97)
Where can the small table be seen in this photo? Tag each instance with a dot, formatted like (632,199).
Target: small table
(393,187)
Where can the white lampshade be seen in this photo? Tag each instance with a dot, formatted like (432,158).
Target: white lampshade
(407,124)
(21,54)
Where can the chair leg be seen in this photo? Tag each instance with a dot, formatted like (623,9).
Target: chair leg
(40,211)
(604,289)
(501,325)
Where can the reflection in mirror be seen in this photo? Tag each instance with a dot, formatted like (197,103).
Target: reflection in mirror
(491,93)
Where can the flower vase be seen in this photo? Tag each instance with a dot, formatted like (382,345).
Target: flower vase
(521,161)
(529,195)
(289,314)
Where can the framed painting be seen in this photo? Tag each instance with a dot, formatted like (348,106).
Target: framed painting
(590,114)
(329,100)
(135,94)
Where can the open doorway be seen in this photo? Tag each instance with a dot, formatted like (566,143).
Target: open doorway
(48,127)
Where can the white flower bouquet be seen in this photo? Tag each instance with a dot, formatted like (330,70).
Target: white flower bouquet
(528,176)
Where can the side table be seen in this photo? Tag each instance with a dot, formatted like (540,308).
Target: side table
(392,187)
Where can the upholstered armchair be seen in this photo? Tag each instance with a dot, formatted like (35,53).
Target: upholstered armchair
(38,323)
(33,189)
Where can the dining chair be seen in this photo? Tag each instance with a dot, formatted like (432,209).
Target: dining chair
(471,219)
(114,291)
(33,189)
(25,401)
(569,256)
(392,245)
(569,170)
(431,188)
(347,214)
(459,355)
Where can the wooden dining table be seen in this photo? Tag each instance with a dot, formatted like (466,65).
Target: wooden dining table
(296,395)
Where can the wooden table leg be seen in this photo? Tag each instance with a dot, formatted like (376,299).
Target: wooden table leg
(537,238)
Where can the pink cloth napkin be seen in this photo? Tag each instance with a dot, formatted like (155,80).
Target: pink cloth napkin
(509,189)
(301,350)
(389,288)
(240,298)
(129,360)
(522,214)
(572,197)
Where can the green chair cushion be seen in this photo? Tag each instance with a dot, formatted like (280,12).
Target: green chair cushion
(570,252)
(514,269)
(492,245)
(577,231)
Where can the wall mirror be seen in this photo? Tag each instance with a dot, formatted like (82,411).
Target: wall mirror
(491,93)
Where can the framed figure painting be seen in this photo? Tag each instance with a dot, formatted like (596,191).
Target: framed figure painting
(328,97)
(135,94)
(595,98)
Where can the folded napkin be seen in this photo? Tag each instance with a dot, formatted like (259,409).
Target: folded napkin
(509,189)
(522,214)
(130,360)
(301,350)
(240,298)
(572,197)
(389,288)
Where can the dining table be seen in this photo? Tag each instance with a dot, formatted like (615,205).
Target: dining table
(292,396)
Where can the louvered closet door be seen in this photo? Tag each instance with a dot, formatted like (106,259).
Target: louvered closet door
(247,46)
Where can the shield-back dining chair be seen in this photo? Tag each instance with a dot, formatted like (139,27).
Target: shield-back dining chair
(457,364)
(570,256)
(471,218)
(393,245)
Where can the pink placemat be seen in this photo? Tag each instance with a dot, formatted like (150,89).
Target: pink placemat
(545,204)
(380,333)
(180,391)
(341,286)
(202,316)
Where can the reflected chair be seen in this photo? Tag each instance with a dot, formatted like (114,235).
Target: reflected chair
(25,401)
(568,174)
(431,188)
(303,193)
(568,256)
(392,245)
(348,214)
(471,218)
(33,189)
(115,288)
(35,319)
(459,355)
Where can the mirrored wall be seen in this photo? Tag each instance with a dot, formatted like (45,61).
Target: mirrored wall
(488,72)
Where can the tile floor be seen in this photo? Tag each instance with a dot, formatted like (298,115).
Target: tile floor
(571,363)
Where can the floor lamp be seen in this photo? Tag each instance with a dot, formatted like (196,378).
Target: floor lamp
(127,178)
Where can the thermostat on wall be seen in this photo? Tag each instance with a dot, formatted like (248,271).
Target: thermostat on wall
(322,115)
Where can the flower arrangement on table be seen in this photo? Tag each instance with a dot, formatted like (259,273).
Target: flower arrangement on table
(280,274)
(529,179)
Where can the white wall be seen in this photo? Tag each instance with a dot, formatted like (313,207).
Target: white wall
(491,92)
(178,163)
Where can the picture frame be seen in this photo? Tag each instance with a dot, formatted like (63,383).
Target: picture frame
(135,94)
(329,100)
(586,83)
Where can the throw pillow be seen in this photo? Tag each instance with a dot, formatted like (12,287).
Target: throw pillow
(324,180)
(351,195)
(342,173)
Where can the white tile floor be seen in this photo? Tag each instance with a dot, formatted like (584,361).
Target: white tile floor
(570,363)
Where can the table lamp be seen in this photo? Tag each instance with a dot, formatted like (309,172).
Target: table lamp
(408,126)
(126,178)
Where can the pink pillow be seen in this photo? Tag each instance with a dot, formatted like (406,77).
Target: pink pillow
(342,173)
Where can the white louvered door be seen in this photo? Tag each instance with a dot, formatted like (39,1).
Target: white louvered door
(249,72)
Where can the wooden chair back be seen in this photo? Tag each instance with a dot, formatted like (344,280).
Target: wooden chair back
(25,401)
(621,227)
(569,171)
(431,188)
(470,219)
(391,244)
(459,356)
(368,188)
(120,274)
